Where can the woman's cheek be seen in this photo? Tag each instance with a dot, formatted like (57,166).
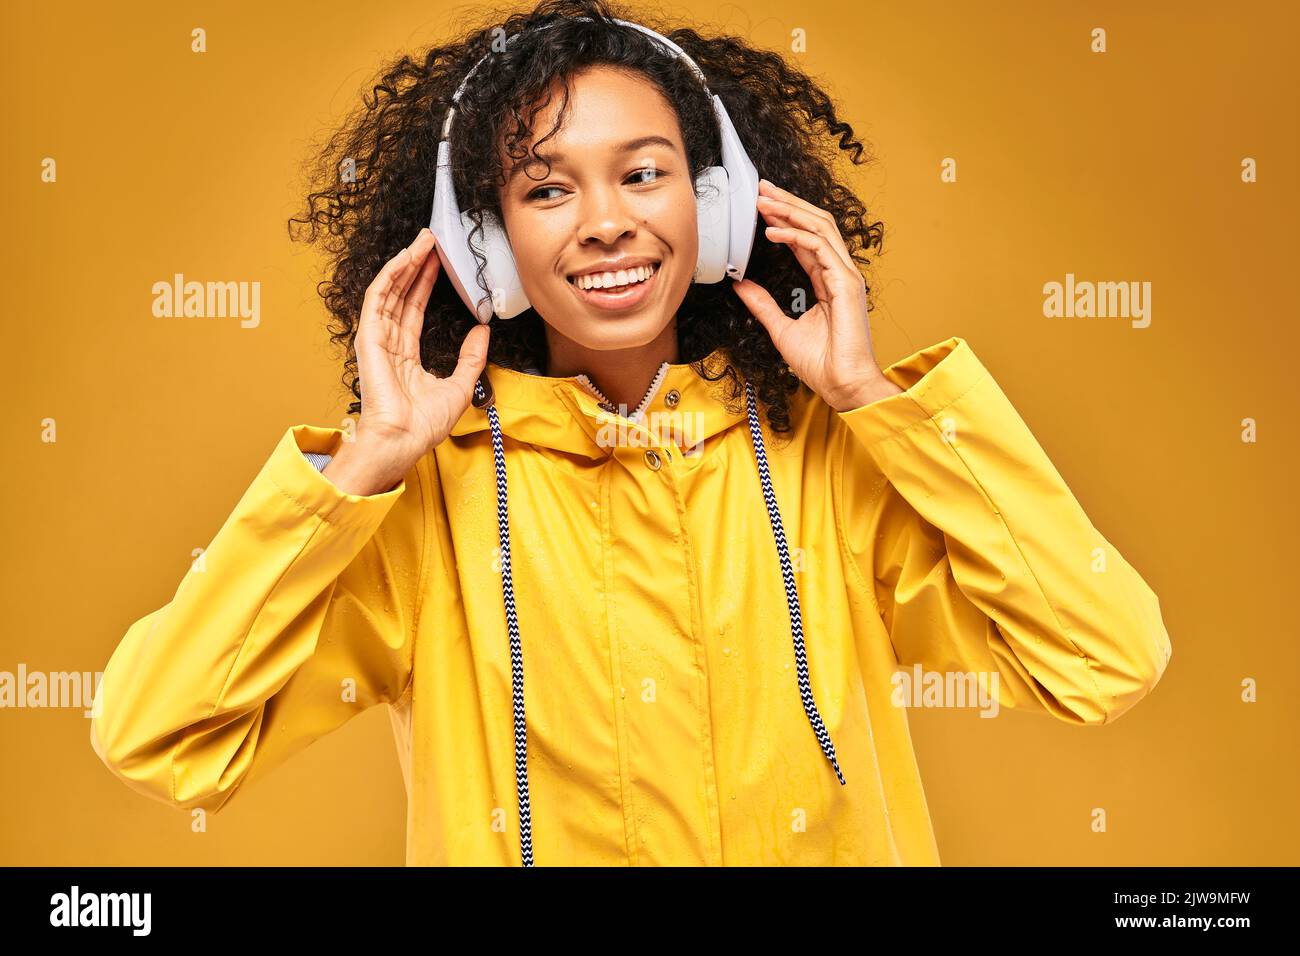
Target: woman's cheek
(536,245)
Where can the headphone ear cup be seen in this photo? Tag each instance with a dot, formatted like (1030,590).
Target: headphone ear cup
(501,273)
(713,221)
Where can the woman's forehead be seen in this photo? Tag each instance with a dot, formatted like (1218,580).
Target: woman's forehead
(610,115)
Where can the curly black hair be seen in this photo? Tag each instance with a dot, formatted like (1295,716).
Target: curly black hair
(371,186)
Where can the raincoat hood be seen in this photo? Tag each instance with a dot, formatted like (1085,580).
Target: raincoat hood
(563,413)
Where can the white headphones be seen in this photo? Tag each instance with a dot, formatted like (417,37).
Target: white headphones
(727,213)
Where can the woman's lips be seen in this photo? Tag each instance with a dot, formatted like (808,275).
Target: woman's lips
(617,300)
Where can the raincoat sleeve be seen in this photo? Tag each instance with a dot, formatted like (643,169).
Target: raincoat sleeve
(978,556)
(298,616)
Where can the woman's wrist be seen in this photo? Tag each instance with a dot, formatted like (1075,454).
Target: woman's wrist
(871,389)
(358,469)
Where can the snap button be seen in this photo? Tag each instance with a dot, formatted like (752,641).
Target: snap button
(652,459)
(672,398)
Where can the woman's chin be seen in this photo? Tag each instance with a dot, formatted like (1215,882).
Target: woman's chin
(610,333)
(606,330)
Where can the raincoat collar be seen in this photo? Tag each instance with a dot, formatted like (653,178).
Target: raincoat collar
(562,413)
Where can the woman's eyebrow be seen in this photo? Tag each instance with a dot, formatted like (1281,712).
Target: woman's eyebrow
(632,145)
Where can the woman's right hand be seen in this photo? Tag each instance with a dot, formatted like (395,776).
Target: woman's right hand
(405,410)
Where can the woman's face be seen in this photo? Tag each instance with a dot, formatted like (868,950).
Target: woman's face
(619,196)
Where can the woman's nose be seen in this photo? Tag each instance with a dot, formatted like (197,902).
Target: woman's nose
(605,216)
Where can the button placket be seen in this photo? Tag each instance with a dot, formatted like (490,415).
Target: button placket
(662,693)
(680,431)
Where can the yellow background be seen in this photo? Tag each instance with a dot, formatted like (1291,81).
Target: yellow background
(1123,166)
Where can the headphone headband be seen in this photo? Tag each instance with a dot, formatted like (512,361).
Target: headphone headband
(659,38)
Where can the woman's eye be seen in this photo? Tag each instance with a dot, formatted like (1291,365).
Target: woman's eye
(541,189)
(540,192)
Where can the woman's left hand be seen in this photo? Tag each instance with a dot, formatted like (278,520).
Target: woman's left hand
(829,346)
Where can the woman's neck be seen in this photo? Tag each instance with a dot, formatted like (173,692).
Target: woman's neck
(623,375)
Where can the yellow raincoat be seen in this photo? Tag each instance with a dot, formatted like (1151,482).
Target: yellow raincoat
(926,532)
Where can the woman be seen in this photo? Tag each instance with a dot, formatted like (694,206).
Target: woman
(709,605)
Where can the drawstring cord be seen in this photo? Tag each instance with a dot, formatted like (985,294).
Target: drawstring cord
(512,623)
(483,399)
(791,593)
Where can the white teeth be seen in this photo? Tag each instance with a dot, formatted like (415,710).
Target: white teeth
(608,280)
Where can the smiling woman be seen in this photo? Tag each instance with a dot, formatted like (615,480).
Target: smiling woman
(709,618)
(618,198)
(593,142)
